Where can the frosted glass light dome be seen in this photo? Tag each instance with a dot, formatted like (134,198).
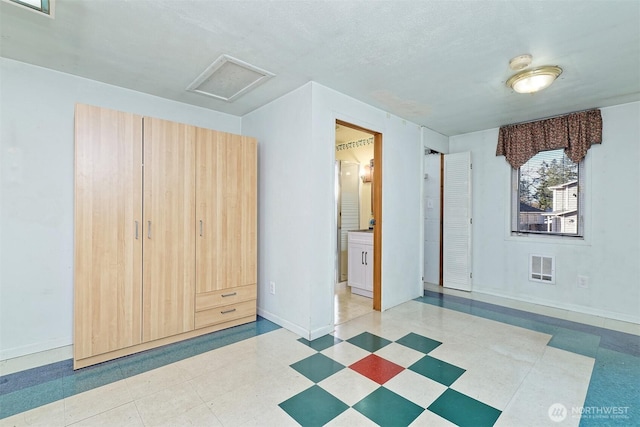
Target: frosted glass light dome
(534,80)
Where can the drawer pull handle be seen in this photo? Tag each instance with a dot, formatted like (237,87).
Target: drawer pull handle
(229,295)
(228,311)
(136,230)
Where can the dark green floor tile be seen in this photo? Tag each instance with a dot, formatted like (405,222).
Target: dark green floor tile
(534,325)
(576,341)
(90,378)
(317,367)
(418,342)
(321,343)
(615,383)
(313,407)
(463,410)
(30,397)
(437,370)
(145,361)
(369,342)
(386,408)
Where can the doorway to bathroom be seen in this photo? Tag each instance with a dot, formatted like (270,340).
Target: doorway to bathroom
(357,210)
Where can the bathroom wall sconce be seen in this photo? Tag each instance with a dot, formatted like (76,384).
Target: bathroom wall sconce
(535,79)
(365,173)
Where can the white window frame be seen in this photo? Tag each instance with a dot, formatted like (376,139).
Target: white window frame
(515,207)
(46,7)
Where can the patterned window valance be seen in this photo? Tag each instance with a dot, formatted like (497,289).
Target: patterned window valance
(574,132)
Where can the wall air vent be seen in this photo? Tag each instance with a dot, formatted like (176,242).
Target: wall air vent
(228,78)
(542,268)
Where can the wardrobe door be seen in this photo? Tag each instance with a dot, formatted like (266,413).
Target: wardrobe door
(108,243)
(169,229)
(226,181)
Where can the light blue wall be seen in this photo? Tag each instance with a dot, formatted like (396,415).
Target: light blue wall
(288,207)
(296,134)
(36,194)
(296,207)
(610,252)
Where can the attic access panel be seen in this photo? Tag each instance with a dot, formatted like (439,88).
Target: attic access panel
(227,78)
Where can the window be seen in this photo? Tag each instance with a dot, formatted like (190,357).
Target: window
(548,195)
(43,6)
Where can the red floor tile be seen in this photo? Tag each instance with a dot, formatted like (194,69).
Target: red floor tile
(376,368)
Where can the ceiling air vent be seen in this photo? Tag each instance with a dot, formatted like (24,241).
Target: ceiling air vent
(228,78)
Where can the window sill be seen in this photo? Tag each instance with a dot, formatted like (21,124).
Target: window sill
(552,239)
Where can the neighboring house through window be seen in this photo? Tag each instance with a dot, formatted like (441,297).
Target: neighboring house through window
(547,196)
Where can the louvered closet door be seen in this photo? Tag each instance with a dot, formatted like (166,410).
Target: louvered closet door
(226,211)
(457,221)
(108,211)
(169,229)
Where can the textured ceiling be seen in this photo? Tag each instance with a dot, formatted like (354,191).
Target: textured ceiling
(441,64)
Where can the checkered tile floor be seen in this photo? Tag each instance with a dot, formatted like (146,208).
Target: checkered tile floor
(434,361)
(384,381)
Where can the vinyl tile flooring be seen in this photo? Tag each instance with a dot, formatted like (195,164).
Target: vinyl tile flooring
(438,360)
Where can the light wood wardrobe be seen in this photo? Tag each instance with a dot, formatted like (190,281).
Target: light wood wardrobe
(165,233)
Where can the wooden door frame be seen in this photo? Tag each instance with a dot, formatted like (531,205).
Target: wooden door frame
(376,183)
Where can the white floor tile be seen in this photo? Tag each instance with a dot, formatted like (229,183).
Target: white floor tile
(168,403)
(351,418)
(125,416)
(399,354)
(349,386)
(430,419)
(345,353)
(559,377)
(419,389)
(493,380)
(51,415)
(157,379)
(275,417)
(96,401)
(199,416)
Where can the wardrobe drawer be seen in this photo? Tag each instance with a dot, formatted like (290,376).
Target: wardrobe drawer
(222,297)
(225,313)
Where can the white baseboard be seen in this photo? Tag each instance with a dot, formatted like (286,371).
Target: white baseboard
(33,360)
(296,329)
(320,332)
(25,350)
(570,307)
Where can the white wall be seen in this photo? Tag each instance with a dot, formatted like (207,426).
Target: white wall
(289,175)
(435,141)
(36,210)
(609,253)
(401,169)
(297,221)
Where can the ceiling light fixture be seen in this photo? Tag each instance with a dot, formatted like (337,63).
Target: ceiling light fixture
(535,79)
